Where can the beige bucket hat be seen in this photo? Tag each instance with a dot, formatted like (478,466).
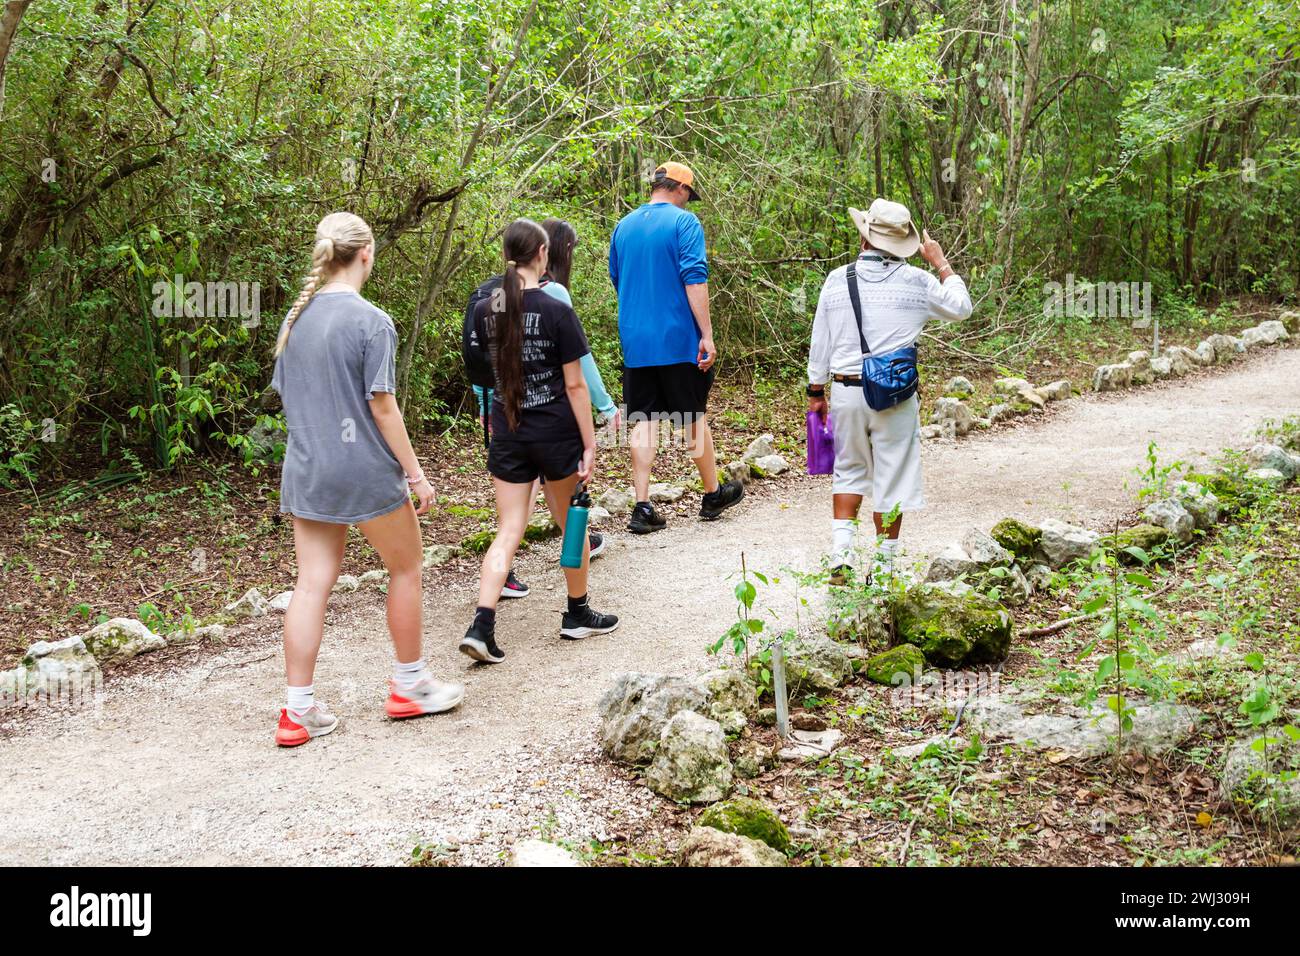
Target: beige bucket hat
(888,226)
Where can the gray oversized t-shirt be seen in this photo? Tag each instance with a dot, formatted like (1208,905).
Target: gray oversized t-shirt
(337,466)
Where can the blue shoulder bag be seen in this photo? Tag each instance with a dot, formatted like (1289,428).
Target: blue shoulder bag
(889,378)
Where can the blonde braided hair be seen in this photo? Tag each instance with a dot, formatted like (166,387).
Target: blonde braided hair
(339,237)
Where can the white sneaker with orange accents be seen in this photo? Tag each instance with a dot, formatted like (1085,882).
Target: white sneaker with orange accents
(429,696)
(296,729)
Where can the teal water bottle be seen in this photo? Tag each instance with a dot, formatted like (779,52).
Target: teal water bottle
(575,528)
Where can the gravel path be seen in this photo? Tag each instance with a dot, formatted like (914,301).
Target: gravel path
(177,764)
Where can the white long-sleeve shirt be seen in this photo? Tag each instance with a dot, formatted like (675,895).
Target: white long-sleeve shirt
(897,301)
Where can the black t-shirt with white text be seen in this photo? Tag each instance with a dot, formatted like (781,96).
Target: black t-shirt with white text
(552,338)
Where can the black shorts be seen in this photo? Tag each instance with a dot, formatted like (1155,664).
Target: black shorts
(522,462)
(679,391)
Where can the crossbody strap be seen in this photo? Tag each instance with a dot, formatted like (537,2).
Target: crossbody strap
(855,298)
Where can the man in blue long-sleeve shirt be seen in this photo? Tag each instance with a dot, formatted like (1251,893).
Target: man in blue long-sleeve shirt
(660,270)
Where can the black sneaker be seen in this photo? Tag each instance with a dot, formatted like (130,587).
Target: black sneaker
(597,542)
(645,519)
(514,588)
(585,622)
(481,644)
(716,502)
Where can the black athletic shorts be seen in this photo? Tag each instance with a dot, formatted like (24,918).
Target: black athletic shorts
(667,390)
(521,462)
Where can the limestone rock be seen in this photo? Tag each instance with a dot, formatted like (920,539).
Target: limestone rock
(760,447)
(1200,503)
(950,563)
(984,549)
(665,493)
(959,387)
(251,605)
(1181,360)
(120,639)
(1140,362)
(377,576)
(884,668)
(813,662)
(635,710)
(1112,378)
(438,554)
(1157,727)
(691,762)
(748,817)
(1056,391)
(953,410)
(953,631)
(617,500)
(1167,513)
(541,853)
(1266,455)
(1017,537)
(1061,543)
(54,669)
(705,846)
(811,744)
(737,471)
(1011,386)
(1268,476)
(771,465)
(1256,769)
(280,602)
(346,583)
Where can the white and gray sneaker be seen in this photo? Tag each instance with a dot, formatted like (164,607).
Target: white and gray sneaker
(428,696)
(296,729)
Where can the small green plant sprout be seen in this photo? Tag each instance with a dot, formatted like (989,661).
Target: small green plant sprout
(1130,626)
(1158,480)
(747,626)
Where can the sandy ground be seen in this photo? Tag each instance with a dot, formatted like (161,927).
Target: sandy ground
(176,764)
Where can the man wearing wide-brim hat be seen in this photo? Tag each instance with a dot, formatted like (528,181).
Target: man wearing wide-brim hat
(877,453)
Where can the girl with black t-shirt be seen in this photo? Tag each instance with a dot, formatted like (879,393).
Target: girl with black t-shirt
(541,426)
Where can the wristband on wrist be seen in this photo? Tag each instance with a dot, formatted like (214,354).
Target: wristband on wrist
(416,480)
(815,391)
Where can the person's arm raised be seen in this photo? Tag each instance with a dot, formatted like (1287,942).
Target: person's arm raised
(575,385)
(388,419)
(950,301)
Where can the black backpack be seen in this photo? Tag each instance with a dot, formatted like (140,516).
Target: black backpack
(477,365)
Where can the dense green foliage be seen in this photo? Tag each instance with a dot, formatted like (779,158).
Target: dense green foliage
(144,140)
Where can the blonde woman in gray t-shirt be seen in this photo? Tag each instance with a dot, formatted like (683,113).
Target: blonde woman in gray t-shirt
(348,461)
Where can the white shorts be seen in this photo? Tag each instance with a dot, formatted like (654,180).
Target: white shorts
(877,454)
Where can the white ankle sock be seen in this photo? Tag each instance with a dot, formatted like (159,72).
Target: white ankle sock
(842,533)
(885,552)
(408,675)
(301,699)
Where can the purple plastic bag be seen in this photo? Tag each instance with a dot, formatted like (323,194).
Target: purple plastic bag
(821,445)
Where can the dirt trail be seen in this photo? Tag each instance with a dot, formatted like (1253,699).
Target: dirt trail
(177,766)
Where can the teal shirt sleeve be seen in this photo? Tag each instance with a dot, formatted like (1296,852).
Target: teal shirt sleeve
(600,399)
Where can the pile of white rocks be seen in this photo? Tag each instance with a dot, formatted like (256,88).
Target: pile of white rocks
(1175,361)
(73,665)
(760,460)
(953,417)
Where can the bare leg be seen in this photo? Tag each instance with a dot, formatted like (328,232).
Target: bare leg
(845,506)
(396,537)
(892,531)
(558,494)
(319,548)
(642,443)
(514,505)
(700,436)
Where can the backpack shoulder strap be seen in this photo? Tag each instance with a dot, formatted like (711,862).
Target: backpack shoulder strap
(855,298)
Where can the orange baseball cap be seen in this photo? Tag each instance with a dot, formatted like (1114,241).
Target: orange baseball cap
(680,172)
